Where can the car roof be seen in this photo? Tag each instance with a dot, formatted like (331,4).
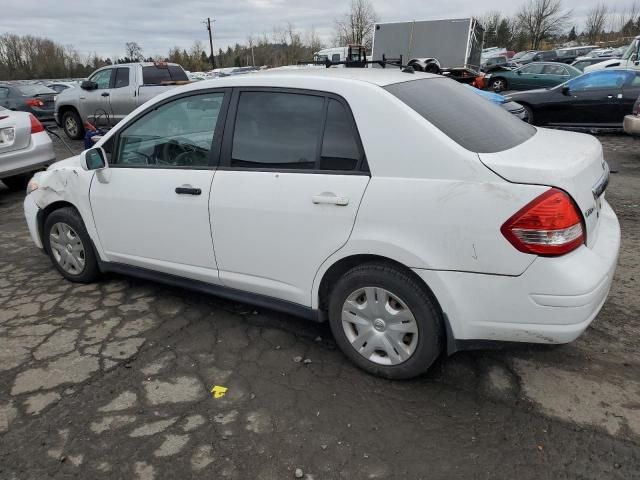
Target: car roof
(376,76)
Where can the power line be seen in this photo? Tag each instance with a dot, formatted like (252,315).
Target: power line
(213,58)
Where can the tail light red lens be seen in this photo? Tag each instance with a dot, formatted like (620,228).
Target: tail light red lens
(550,225)
(34,102)
(36,126)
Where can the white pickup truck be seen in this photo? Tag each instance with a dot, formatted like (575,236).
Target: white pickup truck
(112,92)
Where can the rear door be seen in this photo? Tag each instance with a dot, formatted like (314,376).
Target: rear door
(630,94)
(553,74)
(4,96)
(121,99)
(286,194)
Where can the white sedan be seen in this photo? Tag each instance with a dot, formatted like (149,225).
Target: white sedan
(25,147)
(408,212)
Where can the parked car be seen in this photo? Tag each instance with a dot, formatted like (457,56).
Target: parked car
(472,226)
(500,100)
(598,99)
(582,62)
(493,61)
(25,147)
(569,55)
(536,56)
(31,98)
(630,59)
(531,76)
(631,123)
(112,92)
(60,86)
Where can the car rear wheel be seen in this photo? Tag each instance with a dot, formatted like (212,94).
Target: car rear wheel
(385,321)
(69,246)
(529,111)
(16,183)
(498,84)
(72,125)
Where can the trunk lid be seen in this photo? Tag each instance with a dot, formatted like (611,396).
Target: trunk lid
(570,161)
(21,125)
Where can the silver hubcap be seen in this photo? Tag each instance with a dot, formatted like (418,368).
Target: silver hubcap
(67,248)
(379,326)
(71,125)
(498,85)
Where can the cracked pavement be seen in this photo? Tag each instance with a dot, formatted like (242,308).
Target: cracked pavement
(113,380)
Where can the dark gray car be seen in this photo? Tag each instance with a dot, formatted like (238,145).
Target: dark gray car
(33,98)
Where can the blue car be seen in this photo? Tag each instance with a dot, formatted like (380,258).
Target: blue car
(497,99)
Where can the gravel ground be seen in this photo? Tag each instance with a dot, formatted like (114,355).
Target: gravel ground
(113,380)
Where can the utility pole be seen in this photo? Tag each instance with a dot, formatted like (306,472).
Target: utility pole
(213,59)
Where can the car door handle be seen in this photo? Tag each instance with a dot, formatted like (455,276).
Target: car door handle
(188,190)
(105,94)
(328,198)
(609,96)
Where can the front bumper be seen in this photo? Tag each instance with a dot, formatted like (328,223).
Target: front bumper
(37,154)
(631,124)
(553,301)
(31,216)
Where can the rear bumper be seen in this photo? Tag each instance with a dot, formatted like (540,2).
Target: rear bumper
(631,124)
(37,154)
(553,301)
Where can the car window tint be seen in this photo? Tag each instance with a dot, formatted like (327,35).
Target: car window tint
(610,79)
(339,144)
(122,77)
(176,134)
(335,57)
(102,78)
(483,128)
(177,73)
(635,81)
(277,130)
(153,75)
(33,90)
(4,92)
(554,70)
(533,69)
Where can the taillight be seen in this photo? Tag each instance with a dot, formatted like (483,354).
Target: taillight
(34,102)
(36,126)
(550,225)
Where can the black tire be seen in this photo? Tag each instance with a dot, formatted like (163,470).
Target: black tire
(72,125)
(417,299)
(432,68)
(498,84)
(71,217)
(529,111)
(17,182)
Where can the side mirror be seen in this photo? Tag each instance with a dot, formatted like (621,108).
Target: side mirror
(88,85)
(566,91)
(94,159)
(519,72)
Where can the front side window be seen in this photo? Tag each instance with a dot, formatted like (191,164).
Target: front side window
(122,77)
(277,130)
(176,134)
(335,57)
(609,79)
(4,92)
(532,69)
(102,79)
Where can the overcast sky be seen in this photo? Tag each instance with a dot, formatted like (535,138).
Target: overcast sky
(103,27)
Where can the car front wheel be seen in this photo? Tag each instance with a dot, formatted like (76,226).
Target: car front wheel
(498,84)
(69,246)
(385,321)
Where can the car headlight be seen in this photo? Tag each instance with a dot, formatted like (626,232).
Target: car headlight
(7,136)
(32,186)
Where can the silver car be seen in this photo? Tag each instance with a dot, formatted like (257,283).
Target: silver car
(25,147)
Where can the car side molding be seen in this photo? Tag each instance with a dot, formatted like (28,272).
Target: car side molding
(227,293)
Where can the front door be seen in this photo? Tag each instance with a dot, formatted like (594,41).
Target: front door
(286,195)
(94,104)
(527,77)
(151,207)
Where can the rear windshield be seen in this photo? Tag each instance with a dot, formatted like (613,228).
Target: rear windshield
(464,116)
(35,90)
(153,75)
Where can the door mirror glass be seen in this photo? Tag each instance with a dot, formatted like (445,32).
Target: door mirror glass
(94,159)
(519,72)
(88,85)
(566,90)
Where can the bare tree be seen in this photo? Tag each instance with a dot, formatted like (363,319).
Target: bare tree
(595,22)
(313,41)
(357,26)
(133,51)
(625,21)
(542,19)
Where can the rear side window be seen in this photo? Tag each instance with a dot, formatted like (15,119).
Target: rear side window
(122,78)
(340,150)
(35,90)
(277,130)
(464,116)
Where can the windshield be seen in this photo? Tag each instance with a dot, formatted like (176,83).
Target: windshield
(464,116)
(631,49)
(528,56)
(35,90)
